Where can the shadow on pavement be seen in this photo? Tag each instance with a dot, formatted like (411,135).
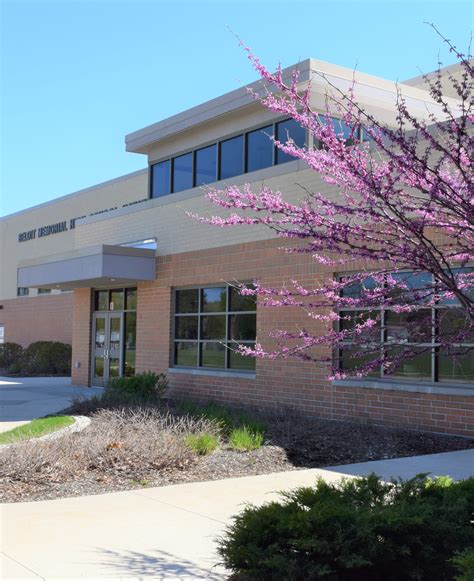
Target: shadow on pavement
(155,564)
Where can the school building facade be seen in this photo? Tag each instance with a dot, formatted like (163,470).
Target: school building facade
(124,274)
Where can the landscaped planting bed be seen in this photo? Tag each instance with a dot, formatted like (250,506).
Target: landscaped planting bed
(154,444)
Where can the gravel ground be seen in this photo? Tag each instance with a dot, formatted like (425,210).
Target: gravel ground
(293,443)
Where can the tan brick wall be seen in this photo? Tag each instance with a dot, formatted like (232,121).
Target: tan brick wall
(40,318)
(81,332)
(278,383)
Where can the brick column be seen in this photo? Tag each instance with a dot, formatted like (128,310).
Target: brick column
(81,336)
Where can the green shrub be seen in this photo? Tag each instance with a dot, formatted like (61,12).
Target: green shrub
(10,353)
(359,529)
(147,386)
(203,443)
(464,563)
(44,358)
(244,439)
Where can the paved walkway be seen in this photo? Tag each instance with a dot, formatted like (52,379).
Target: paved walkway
(23,399)
(166,532)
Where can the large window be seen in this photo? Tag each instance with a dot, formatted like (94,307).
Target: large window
(231,157)
(416,330)
(161,179)
(260,148)
(247,152)
(22,291)
(286,131)
(209,325)
(206,165)
(183,172)
(225,159)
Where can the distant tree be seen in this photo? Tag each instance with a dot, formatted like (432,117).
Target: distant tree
(405,207)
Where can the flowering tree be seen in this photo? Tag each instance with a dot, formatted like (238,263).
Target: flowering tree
(404,207)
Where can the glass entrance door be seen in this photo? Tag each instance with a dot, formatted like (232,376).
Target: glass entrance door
(107,347)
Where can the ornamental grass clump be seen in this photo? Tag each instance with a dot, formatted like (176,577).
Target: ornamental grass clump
(202,444)
(358,529)
(244,439)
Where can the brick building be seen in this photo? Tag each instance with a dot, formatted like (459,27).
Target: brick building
(121,272)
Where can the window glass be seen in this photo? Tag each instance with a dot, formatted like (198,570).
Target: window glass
(213,355)
(260,148)
(419,287)
(206,165)
(2,334)
(185,354)
(114,333)
(468,291)
(98,367)
(341,129)
(114,367)
(240,302)
(242,328)
(186,328)
(131,299)
(101,302)
(160,179)
(207,332)
(417,367)
(100,332)
(130,343)
(44,291)
(214,299)
(425,329)
(458,368)
(187,301)
(286,131)
(414,327)
(231,157)
(183,172)
(454,325)
(213,327)
(356,289)
(242,362)
(350,319)
(351,359)
(22,291)
(116,300)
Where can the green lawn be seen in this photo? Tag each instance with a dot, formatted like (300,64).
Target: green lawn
(35,429)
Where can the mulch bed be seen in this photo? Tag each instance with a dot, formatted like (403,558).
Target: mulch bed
(293,443)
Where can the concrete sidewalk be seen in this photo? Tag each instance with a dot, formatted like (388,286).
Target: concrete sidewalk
(166,532)
(23,399)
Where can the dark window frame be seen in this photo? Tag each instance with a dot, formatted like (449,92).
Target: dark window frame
(200,313)
(217,143)
(434,347)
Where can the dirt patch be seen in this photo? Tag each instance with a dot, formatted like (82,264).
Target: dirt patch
(139,448)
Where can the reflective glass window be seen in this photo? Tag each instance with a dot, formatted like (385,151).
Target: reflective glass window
(206,165)
(183,172)
(289,130)
(231,157)
(260,148)
(161,179)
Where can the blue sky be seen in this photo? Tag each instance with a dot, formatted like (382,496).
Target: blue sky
(78,75)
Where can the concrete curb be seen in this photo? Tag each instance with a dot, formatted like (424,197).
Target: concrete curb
(80,423)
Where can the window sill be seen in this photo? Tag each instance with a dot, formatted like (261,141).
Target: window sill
(211,372)
(412,386)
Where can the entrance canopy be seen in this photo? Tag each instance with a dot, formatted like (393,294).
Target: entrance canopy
(89,267)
